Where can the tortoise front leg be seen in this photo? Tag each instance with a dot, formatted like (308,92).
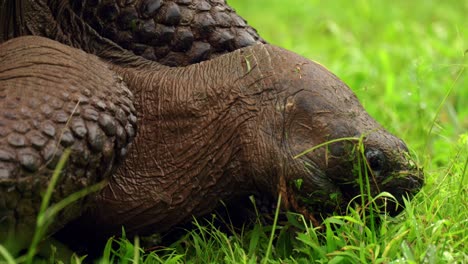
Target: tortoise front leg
(54,97)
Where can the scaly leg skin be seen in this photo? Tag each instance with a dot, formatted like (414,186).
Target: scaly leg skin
(54,97)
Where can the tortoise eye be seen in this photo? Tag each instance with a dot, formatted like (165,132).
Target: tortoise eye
(376,159)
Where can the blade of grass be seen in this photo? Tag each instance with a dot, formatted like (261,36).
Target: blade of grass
(273,228)
(6,256)
(136,250)
(45,202)
(326,143)
(46,214)
(56,208)
(439,108)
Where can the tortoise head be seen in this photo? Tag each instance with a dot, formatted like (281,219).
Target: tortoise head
(325,145)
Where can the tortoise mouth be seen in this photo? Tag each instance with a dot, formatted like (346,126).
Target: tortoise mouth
(401,185)
(406,187)
(320,194)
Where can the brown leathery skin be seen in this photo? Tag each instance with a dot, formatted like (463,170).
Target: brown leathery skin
(53,97)
(171,32)
(234,133)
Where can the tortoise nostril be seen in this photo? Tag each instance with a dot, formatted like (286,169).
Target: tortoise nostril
(376,159)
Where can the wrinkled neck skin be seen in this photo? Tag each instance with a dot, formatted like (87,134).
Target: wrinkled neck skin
(196,132)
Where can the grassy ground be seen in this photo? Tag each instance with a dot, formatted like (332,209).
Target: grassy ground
(406,61)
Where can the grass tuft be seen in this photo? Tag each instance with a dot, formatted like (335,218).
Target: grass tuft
(44,217)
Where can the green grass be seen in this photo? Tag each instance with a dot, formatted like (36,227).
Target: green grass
(406,61)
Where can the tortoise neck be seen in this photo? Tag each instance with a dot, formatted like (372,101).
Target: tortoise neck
(195,128)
